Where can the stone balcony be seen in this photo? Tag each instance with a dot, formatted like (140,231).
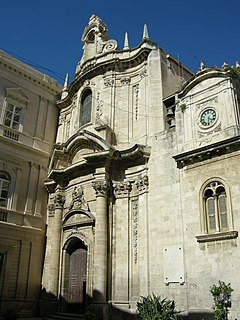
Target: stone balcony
(24,139)
(11,216)
(22,219)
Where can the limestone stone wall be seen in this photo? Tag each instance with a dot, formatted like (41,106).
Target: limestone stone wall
(25,149)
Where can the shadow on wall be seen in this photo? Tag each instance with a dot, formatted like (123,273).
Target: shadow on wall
(94,306)
(197,315)
(98,310)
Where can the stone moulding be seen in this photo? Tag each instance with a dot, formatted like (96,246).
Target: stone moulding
(137,154)
(88,221)
(207,152)
(94,67)
(217,236)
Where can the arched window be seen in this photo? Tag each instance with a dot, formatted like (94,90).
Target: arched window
(4,189)
(215,207)
(86,107)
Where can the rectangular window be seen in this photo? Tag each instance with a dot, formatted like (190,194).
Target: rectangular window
(12,116)
(4,187)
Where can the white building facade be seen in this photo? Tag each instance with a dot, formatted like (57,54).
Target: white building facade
(28,120)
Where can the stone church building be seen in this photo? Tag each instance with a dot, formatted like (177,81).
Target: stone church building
(142,183)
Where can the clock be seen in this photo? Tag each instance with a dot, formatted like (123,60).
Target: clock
(208,117)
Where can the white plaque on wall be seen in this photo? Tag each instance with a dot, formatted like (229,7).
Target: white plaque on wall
(173,264)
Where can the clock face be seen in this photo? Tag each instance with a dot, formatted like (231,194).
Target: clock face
(208,117)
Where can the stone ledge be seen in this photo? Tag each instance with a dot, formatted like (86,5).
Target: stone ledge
(217,236)
(207,152)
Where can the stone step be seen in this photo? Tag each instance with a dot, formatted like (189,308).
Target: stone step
(66,316)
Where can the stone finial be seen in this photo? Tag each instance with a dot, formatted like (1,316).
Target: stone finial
(65,88)
(145,32)
(126,44)
(237,64)
(225,66)
(202,65)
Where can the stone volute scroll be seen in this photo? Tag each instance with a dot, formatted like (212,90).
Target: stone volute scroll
(78,200)
(96,40)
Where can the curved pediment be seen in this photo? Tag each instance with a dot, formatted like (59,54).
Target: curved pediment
(203,78)
(85,163)
(77,218)
(80,144)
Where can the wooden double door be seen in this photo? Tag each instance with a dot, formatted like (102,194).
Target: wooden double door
(77,281)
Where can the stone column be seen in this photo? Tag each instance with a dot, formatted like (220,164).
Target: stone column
(100,249)
(50,281)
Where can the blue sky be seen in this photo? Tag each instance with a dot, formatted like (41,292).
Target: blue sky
(48,32)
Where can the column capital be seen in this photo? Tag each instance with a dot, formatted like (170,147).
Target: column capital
(142,184)
(101,187)
(59,201)
(122,189)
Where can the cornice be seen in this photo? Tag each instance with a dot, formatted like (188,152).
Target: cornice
(98,66)
(138,154)
(207,152)
(25,72)
(200,76)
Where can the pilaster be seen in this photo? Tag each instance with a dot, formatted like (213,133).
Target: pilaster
(121,256)
(53,248)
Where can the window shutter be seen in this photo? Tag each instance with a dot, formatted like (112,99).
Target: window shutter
(223,210)
(211,212)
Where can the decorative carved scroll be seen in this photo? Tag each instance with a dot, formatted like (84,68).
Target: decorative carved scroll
(136,99)
(135,206)
(109,82)
(125,81)
(78,200)
(98,109)
(110,45)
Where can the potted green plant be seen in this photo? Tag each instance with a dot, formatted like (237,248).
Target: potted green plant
(222,299)
(153,308)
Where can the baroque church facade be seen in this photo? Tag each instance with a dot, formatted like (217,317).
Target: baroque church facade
(142,182)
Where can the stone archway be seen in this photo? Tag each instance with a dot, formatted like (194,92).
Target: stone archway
(75,275)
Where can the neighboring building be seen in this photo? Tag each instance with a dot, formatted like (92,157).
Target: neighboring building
(28,121)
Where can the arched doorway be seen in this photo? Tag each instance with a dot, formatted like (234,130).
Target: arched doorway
(77,276)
